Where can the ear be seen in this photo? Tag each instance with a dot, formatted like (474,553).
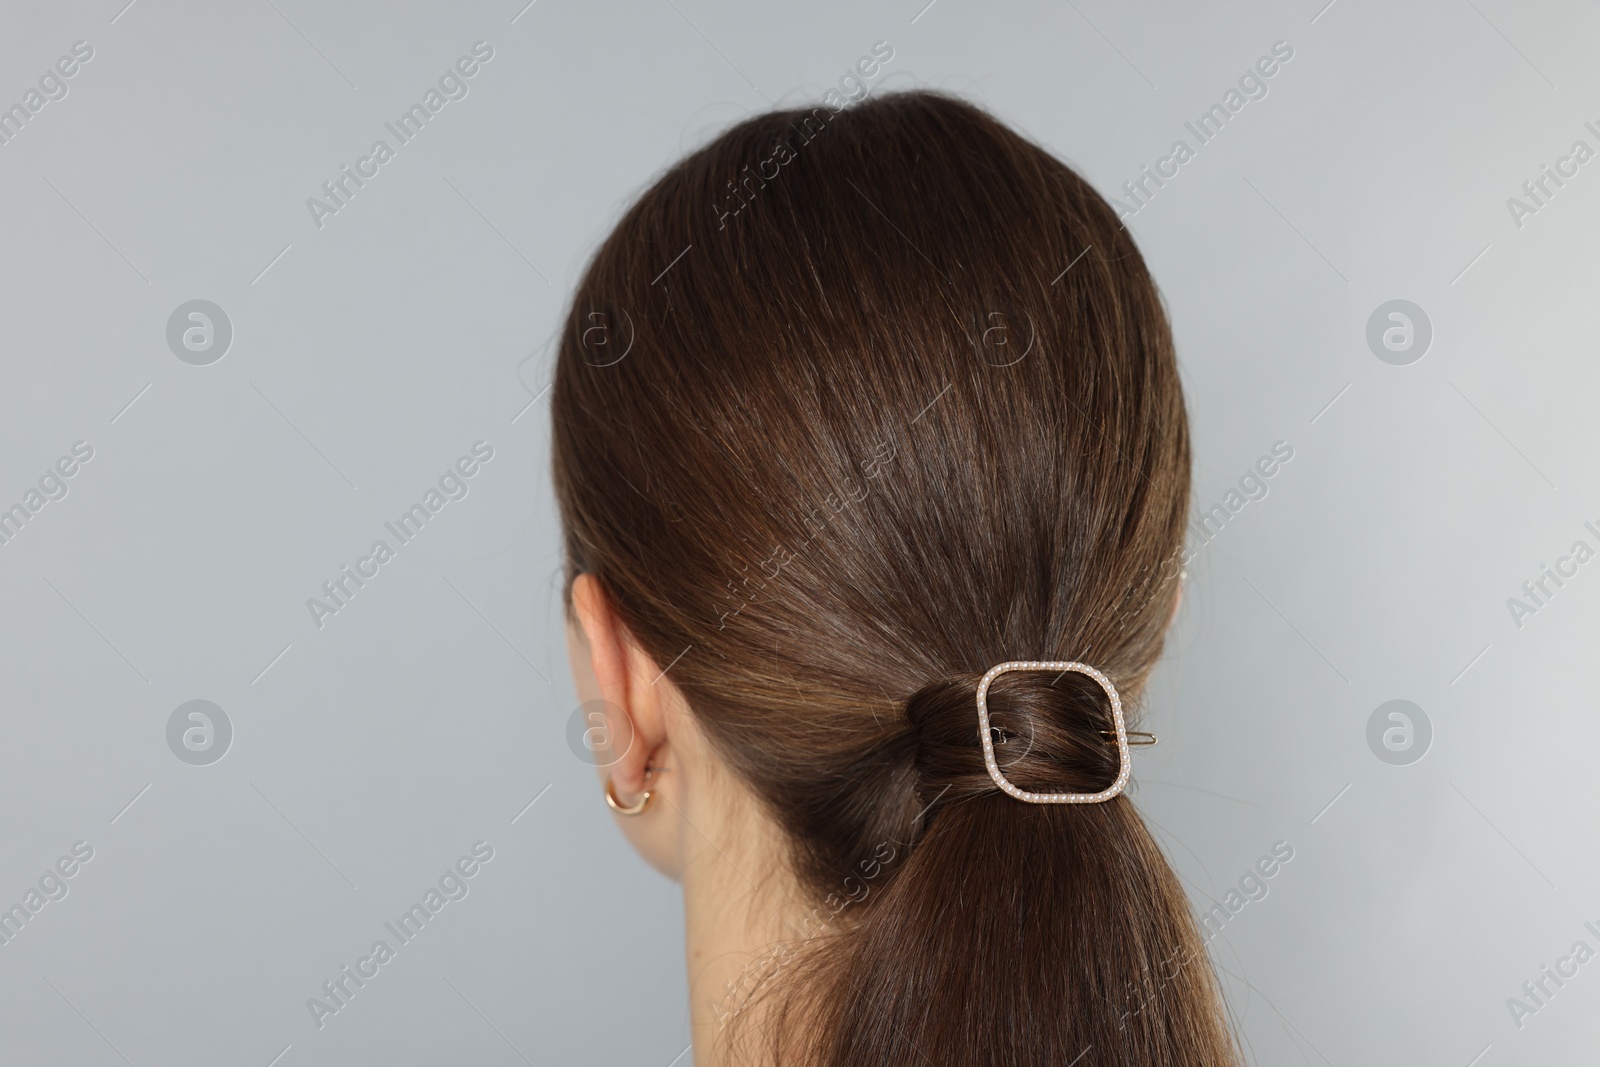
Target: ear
(624,675)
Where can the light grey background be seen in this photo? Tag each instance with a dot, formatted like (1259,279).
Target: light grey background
(370,353)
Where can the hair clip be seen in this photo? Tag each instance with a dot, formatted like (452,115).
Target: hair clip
(1144,737)
(1125,765)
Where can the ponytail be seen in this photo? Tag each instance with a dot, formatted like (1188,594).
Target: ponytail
(1012,933)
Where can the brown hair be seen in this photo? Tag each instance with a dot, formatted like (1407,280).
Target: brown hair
(850,407)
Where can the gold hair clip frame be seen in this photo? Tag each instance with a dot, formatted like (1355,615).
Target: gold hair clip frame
(1124,761)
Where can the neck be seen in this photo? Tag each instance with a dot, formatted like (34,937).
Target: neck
(738,895)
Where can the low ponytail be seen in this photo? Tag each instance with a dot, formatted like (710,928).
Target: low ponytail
(1012,933)
(912,411)
(1037,936)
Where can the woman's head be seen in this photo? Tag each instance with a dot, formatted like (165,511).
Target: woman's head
(851,407)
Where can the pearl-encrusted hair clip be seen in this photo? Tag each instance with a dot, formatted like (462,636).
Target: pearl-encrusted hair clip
(1125,764)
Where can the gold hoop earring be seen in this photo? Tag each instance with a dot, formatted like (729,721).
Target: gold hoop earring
(617,805)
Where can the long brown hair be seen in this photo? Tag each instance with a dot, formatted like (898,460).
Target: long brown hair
(851,406)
